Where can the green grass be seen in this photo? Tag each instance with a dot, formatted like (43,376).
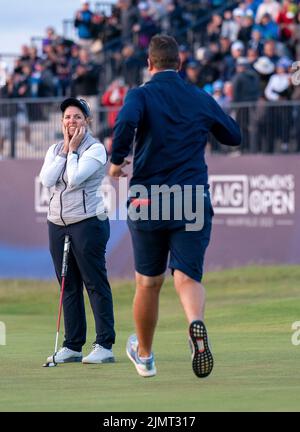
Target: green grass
(249,316)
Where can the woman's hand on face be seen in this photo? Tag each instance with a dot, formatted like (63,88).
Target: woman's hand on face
(66,139)
(77,138)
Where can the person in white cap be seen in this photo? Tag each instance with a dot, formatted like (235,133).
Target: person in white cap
(264,67)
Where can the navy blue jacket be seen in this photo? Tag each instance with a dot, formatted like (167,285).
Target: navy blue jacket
(170,120)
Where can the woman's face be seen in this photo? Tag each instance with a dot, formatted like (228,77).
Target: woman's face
(73,118)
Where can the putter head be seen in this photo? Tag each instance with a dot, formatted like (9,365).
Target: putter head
(51,363)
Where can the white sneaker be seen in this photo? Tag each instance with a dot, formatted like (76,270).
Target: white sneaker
(99,355)
(145,368)
(66,355)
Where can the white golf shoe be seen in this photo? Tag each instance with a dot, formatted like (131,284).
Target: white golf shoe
(66,355)
(99,354)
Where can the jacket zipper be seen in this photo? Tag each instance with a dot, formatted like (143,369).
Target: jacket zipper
(83,197)
(50,203)
(61,203)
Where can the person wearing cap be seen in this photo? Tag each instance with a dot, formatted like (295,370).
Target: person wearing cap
(279,81)
(245,30)
(74,169)
(245,89)
(192,72)
(280,88)
(236,50)
(265,68)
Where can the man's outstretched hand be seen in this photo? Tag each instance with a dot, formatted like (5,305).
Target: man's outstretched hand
(117,171)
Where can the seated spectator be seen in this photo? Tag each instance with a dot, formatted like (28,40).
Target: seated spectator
(74,58)
(256,41)
(245,31)
(268,28)
(42,81)
(214,28)
(238,14)
(84,24)
(230,27)
(218,92)
(265,68)
(279,88)
(25,53)
(185,57)
(224,46)
(285,19)
(252,56)
(63,70)
(280,81)
(237,50)
(246,89)
(270,51)
(85,80)
(51,38)
(228,96)
(209,72)
(193,73)
(245,82)
(131,66)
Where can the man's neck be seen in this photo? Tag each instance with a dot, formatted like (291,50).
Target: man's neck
(155,71)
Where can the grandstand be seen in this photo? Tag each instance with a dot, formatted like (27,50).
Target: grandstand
(240,52)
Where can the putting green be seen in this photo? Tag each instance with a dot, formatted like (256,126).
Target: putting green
(249,316)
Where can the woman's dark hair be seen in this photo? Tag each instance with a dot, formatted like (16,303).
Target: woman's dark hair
(164,52)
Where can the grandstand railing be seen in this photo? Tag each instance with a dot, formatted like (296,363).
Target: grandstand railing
(29,126)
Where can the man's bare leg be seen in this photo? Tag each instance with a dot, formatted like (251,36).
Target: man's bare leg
(145,310)
(192,296)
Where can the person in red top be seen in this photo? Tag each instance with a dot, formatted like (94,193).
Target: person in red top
(286,20)
(113,97)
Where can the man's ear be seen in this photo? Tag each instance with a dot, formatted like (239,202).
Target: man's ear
(150,65)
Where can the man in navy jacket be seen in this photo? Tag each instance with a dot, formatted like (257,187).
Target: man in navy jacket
(169,121)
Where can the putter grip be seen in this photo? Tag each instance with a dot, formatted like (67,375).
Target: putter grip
(65,256)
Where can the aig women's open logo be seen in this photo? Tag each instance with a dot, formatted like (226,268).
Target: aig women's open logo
(256,195)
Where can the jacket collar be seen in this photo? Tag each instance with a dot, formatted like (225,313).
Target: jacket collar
(165,75)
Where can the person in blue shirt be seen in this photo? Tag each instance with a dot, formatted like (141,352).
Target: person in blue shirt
(169,120)
(84,24)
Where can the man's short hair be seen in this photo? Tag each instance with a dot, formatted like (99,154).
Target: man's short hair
(164,52)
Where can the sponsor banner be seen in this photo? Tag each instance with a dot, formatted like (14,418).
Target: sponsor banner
(254,198)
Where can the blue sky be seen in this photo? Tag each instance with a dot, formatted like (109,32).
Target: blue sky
(21,19)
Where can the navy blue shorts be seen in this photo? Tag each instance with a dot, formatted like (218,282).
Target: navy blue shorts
(185,249)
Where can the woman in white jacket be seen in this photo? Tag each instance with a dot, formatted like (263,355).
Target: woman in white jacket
(74,169)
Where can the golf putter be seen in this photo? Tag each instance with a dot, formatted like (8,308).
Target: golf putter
(63,276)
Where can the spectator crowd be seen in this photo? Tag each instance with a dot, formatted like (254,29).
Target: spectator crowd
(245,53)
